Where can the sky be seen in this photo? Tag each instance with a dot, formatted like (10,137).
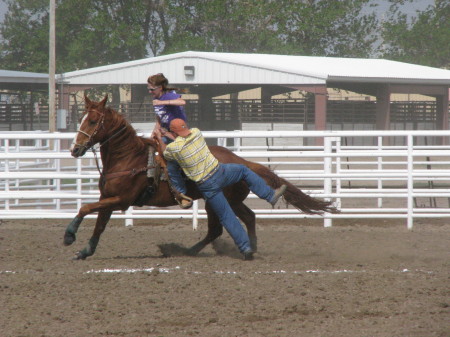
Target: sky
(409,8)
(3,9)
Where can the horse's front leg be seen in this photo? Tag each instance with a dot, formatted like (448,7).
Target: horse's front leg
(100,225)
(107,205)
(70,235)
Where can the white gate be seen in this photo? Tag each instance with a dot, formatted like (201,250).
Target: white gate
(39,178)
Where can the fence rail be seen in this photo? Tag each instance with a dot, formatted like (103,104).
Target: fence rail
(39,178)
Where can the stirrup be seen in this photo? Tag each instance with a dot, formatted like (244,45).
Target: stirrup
(184,201)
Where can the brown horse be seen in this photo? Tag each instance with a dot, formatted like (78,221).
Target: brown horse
(123,179)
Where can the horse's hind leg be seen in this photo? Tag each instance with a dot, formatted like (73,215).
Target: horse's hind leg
(102,219)
(248,217)
(215,230)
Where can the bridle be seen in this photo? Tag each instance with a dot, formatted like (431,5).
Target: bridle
(88,145)
(99,124)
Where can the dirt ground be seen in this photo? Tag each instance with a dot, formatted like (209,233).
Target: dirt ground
(357,278)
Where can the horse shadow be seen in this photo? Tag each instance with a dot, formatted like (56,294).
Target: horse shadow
(220,246)
(167,250)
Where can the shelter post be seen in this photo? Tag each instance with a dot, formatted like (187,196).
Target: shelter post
(320,102)
(442,104)
(320,112)
(206,110)
(383,108)
(383,118)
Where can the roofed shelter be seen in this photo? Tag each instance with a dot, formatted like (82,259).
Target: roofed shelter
(211,74)
(21,115)
(23,81)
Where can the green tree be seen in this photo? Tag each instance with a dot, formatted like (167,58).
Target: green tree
(88,33)
(327,28)
(91,33)
(309,27)
(23,46)
(423,40)
(225,26)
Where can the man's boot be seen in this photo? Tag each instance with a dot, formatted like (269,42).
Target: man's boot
(183,200)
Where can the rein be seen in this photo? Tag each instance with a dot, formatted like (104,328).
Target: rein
(131,172)
(112,175)
(158,159)
(101,144)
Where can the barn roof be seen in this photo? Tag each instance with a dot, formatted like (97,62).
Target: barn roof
(22,80)
(237,68)
(22,77)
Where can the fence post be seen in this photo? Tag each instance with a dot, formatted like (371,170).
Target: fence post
(222,141)
(237,144)
(327,168)
(16,165)
(79,182)
(380,168)
(410,206)
(338,202)
(195,215)
(57,182)
(6,171)
(129,221)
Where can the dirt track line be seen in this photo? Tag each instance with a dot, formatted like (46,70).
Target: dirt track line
(317,271)
(161,270)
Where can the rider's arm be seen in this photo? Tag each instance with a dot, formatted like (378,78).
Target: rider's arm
(177,101)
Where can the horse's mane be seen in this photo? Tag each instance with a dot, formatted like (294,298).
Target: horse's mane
(127,140)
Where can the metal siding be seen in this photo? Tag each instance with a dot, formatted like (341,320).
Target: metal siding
(229,68)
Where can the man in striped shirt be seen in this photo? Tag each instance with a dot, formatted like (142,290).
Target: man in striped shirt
(191,152)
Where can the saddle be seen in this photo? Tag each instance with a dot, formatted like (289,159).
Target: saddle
(156,171)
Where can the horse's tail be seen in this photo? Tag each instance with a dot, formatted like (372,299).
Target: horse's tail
(293,195)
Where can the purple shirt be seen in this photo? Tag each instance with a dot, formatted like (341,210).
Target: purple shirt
(168,112)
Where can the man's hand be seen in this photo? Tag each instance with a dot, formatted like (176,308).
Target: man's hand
(157,134)
(168,135)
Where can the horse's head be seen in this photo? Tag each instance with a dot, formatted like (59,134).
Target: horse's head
(91,129)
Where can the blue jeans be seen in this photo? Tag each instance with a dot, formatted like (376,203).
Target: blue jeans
(229,174)
(174,170)
(175,176)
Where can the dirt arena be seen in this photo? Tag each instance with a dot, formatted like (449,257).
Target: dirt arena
(357,278)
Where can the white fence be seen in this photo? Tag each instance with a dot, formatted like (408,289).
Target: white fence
(39,178)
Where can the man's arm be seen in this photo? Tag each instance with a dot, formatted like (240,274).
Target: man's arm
(162,145)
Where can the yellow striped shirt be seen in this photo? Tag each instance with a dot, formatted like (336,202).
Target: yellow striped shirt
(192,154)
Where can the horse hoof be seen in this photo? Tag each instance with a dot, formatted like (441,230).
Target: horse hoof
(248,256)
(79,256)
(69,238)
(254,244)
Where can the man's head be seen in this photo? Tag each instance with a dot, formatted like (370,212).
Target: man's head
(179,127)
